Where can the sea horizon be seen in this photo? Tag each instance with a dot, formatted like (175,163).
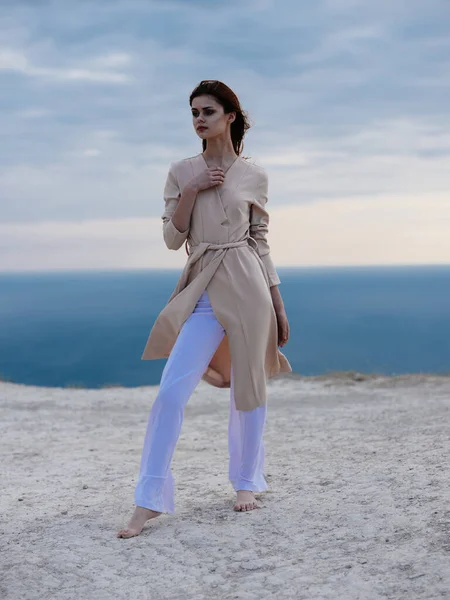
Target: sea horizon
(87,327)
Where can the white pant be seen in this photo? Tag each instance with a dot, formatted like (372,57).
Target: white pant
(196,344)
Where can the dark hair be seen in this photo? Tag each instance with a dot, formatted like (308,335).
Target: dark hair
(230,102)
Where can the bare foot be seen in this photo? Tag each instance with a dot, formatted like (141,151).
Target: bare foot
(140,516)
(245,501)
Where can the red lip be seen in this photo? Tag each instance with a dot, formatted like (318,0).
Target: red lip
(201,127)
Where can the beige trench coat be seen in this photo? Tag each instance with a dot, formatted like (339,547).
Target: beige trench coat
(229,256)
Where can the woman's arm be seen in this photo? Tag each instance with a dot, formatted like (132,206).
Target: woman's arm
(282,320)
(179,205)
(178,210)
(259,228)
(277,300)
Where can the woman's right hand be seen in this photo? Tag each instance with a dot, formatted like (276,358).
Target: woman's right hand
(207,178)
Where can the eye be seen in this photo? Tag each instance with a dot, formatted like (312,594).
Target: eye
(208,111)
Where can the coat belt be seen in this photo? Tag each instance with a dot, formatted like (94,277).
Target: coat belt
(198,250)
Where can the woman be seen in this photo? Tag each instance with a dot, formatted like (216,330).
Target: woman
(225,319)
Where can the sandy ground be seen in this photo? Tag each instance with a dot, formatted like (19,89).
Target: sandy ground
(358,506)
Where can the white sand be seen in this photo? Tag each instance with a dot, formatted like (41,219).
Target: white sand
(358,507)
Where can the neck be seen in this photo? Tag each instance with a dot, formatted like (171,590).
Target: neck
(219,148)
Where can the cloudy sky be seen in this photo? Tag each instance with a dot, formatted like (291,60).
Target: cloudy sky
(348,101)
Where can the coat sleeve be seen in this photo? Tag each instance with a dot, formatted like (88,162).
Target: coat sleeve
(173,238)
(259,227)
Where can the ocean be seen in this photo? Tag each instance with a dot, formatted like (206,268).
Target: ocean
(88,329)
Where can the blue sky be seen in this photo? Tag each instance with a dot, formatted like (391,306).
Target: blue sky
(348,101)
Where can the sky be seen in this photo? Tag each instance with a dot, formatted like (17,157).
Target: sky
(348,101)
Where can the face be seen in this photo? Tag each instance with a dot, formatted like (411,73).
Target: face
(208,114)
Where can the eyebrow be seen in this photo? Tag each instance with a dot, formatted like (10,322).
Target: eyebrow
(203,107)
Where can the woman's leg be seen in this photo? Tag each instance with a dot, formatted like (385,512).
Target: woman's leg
(246,446)
(195,345)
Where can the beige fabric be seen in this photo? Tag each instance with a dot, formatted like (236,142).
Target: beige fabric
(229,256)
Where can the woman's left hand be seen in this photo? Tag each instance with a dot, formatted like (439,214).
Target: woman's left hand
(283,328)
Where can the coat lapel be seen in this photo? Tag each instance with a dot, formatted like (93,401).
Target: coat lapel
(199,164)
(232,179)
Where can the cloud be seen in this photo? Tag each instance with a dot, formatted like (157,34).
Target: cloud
(12,60)
(91,152)
(102,175)
(347,100)
(95,244)
(385,229)
(389,229)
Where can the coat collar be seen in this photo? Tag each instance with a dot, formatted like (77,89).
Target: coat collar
(235,172)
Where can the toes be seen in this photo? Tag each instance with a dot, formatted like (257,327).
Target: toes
(243,506)
(126,533)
